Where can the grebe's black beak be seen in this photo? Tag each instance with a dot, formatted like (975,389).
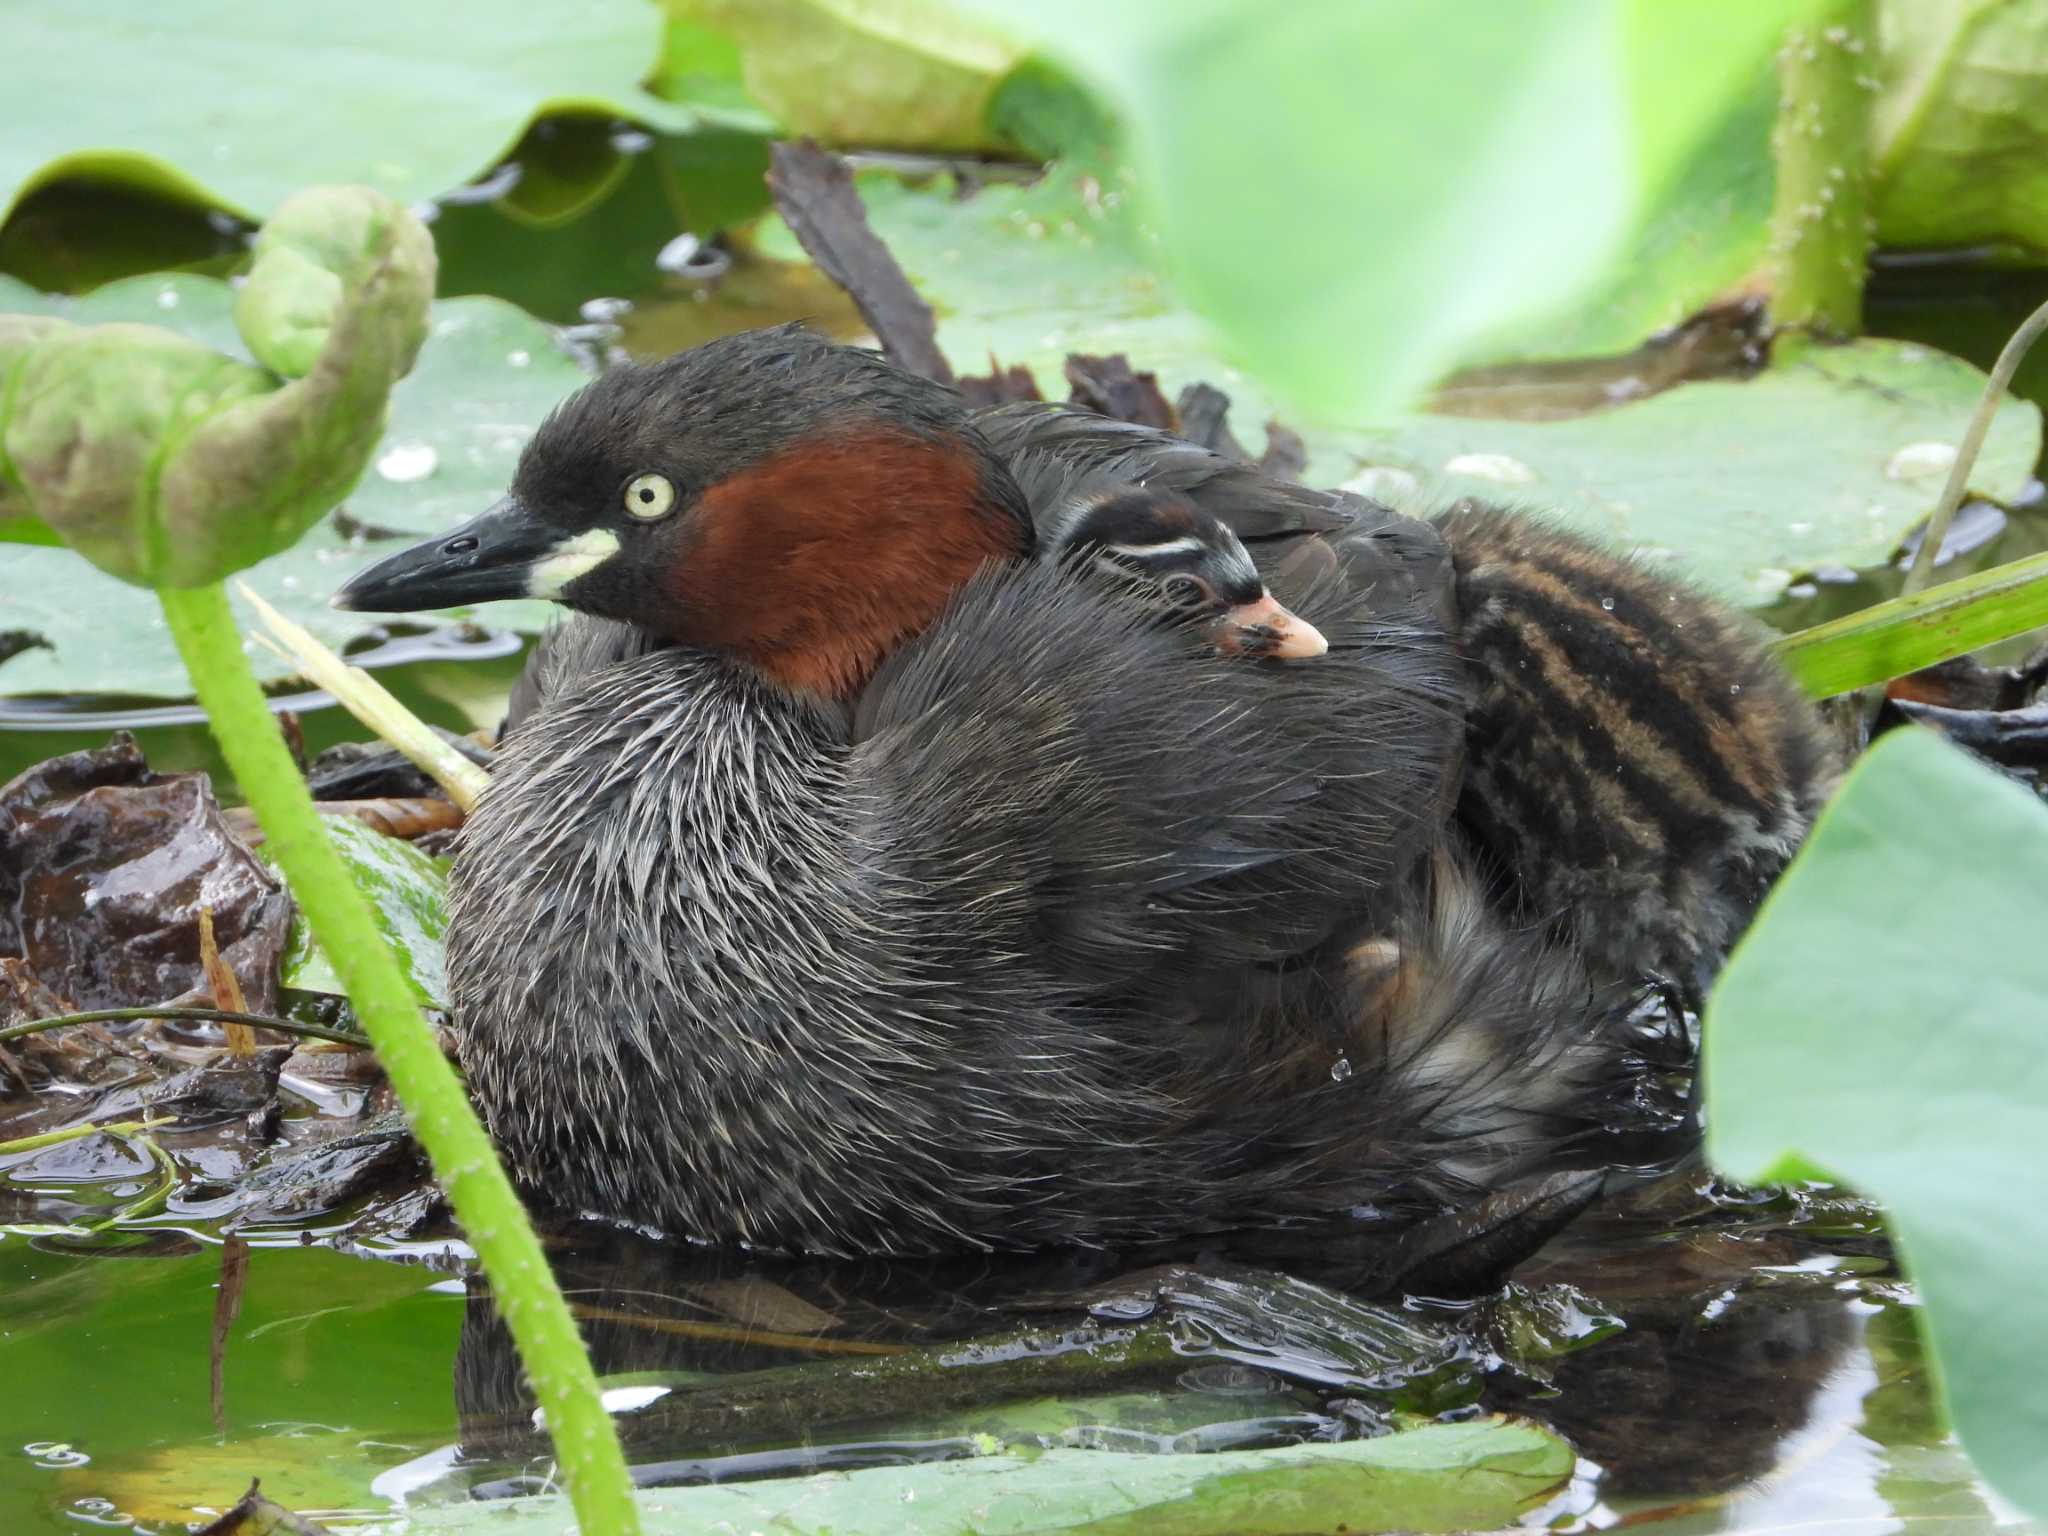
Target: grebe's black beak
(507,552)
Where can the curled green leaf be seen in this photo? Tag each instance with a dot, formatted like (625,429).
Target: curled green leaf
(316,252)
(170,465)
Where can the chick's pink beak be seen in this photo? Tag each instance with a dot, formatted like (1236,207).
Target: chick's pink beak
(1264,628)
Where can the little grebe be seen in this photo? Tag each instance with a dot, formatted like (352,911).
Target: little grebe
(855,881)
(1174,553)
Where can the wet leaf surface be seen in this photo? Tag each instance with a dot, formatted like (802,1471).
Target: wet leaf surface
(328,1171)
(1445,1477)
(408,892)
(104,869)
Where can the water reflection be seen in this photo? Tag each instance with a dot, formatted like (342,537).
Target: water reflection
(1721,1361)
(1710,1355)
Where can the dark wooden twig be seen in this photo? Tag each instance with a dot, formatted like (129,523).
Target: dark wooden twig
(814,194)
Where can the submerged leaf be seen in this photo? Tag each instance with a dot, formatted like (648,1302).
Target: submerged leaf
(1442,1477)
(1881,1024)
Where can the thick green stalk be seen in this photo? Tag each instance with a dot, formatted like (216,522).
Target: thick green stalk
(1820,223)
(593,1467)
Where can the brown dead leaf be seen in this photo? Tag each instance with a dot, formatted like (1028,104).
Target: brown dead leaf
(227,992)
(999,386)
(104,867)
(1110,386)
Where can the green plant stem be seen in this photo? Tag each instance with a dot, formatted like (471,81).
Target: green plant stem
(204,1015)
(1820,221)
(2009,360)
(80,1132)
(528,1298)
(1904,634)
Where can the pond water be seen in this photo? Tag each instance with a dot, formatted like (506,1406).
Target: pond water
(1721,1363)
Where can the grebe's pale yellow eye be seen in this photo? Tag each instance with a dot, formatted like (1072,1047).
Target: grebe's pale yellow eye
(650,496)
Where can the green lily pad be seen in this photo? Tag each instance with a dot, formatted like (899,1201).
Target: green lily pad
(1960,126)
(1881,1025)
(908,74)
(1442,1477)
(408,891)
(484,379)
(244,106)
(1830,458)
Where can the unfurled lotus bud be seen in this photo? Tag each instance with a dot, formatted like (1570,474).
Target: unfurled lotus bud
(169,465)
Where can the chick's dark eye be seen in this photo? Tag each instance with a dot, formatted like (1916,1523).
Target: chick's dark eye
(1189,591)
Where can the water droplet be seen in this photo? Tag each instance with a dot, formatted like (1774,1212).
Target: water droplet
(631,141)
(605,311)
(1735,688)
(1340,1069)
(678,254)
(1607,604)
(908,1496)
(1917,459)
(406,462)
(167,298)
(1491,466)
(520,358)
